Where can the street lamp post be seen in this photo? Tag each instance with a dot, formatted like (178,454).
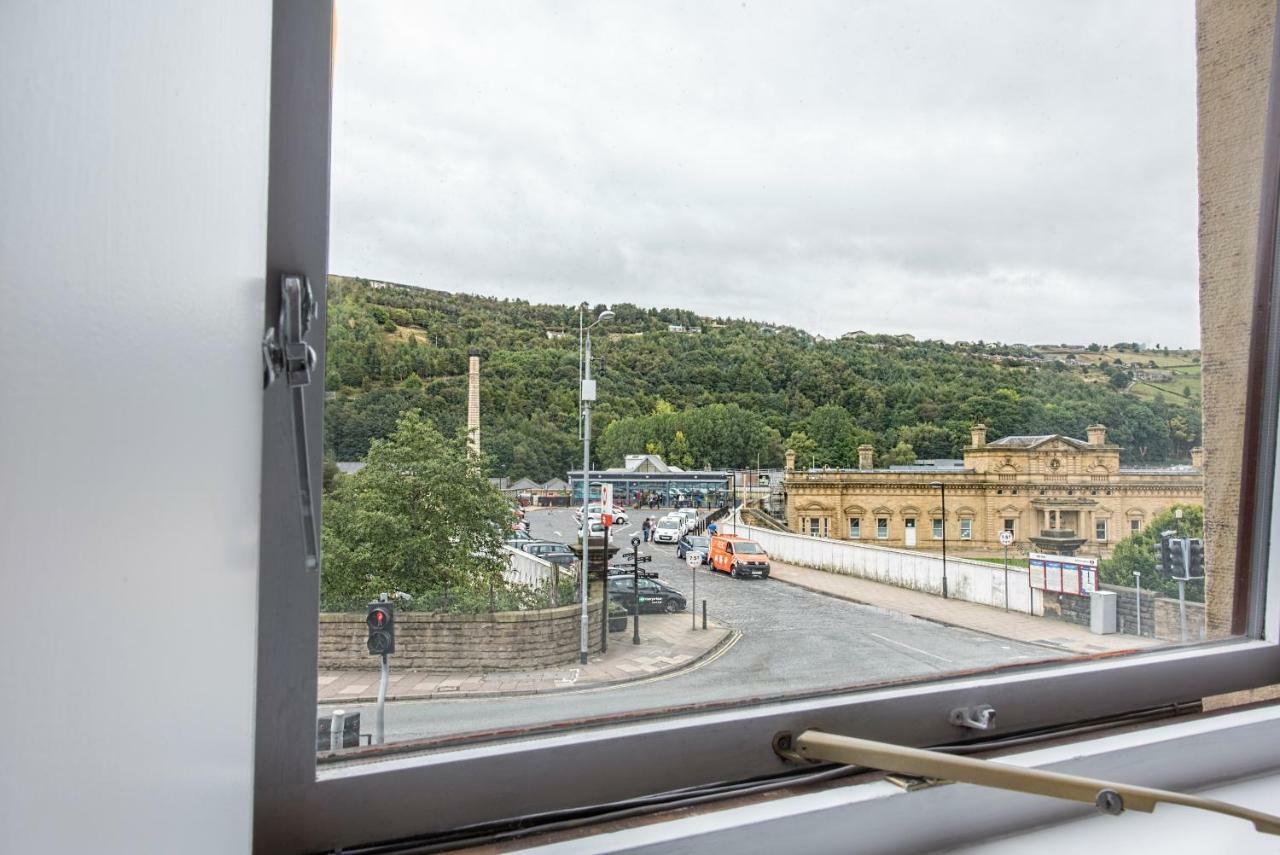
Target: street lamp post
(587,395)
(943,487)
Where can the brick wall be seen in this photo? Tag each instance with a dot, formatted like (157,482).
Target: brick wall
(1169,625)
(502,641)
(1073,609)
(1159,614)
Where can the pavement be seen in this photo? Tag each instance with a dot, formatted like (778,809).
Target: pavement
(1042,631)
(669,646)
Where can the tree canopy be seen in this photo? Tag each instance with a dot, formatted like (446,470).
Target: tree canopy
(419,518)
(734,391)
(1137,553)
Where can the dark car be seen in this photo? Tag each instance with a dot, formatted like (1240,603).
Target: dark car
(545,548)
(694,543)
(655,596)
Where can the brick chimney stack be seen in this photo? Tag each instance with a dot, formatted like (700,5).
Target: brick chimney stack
(1097,434)
(978,435)
(473,403)
(791,460)
(866,456)
(1197,457)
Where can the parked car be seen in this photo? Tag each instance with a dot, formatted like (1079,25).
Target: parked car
(739,557)
(546,548)
(690,516)
(668,530)
(694,543)
(518,537)
(655,596)
(594,512)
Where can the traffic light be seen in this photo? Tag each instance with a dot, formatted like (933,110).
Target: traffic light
(1177,556)
(382,628)
(1195,548)
(1161,549)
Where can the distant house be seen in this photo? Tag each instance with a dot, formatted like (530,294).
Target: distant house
(554,334)
(1152,375)
(675,327)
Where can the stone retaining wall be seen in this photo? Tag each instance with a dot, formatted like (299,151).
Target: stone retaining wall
(502,641)
(1159,614)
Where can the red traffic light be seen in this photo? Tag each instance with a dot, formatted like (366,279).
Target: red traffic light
(377,618)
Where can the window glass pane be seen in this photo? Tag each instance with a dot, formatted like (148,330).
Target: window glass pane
(757,270)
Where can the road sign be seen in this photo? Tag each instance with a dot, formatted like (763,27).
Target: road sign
(693,559)
(1006,538)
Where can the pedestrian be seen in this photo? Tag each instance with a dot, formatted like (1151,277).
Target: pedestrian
(711,529)
(645,529)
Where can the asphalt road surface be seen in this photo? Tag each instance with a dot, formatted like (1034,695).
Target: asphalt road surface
(793,640)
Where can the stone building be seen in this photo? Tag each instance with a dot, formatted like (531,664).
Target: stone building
(1055,493)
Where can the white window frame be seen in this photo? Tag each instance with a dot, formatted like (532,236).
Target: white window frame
(882,528)
(855,528)
(938,528)
(417,788)
(966,528)
(1135,525)
(1101,525)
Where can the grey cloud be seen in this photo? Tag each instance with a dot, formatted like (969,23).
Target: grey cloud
(1001,171)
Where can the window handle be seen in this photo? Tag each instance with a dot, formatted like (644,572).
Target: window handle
(1108,796)
(285,351)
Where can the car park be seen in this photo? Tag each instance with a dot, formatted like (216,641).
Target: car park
(740,557)
(655,595)
(698,543)
(668,530)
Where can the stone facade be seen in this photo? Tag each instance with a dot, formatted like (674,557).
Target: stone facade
(1233,63)
(502,641)
(1055,493)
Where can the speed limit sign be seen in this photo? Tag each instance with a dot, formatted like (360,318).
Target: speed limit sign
(1006,538)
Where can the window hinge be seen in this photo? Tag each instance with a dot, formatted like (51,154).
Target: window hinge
(1109,797)
(285,351)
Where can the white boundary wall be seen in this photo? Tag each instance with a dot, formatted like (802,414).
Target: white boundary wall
(972,581)
(528,570)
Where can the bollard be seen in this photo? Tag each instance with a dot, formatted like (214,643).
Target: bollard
(704,614)
(335,729)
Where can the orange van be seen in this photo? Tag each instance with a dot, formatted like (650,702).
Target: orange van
(740,557)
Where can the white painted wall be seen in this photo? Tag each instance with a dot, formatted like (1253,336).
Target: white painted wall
(526,569)
(133,167)
(974,581)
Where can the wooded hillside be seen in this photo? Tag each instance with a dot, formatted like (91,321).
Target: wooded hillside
(732,395)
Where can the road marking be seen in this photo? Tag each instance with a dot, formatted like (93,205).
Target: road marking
(909,647)
(573,678)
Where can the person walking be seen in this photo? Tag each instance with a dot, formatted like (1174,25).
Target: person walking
(645,529)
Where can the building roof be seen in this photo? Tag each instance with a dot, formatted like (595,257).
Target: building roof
(556,484)
(644,463)
(525,484)
(1033,441)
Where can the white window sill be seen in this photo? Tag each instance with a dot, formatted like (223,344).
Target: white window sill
(880,817)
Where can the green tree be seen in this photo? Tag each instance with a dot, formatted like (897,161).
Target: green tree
(678,451)
(804,447)
(901,454)
(419,518)
(1137,553)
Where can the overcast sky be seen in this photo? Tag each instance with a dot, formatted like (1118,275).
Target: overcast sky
(1015,171)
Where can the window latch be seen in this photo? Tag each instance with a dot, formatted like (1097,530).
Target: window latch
(285,351)
(981,717)
(1109,797)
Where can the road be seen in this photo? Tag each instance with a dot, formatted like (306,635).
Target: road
(793,640)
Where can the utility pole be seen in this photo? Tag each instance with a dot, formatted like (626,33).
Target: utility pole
(588,395)
(942,486)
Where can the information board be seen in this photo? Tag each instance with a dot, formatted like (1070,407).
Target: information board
(1066,574)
